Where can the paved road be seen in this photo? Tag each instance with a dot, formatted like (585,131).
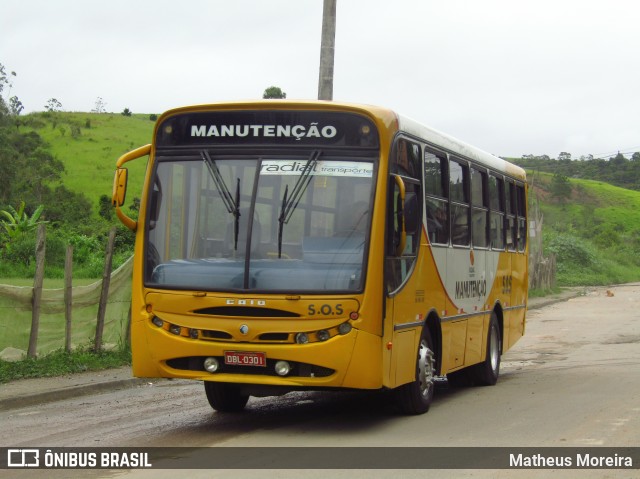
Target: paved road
(571,381)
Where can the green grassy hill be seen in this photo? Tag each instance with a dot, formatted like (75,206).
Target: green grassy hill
(595,232)
(89,144)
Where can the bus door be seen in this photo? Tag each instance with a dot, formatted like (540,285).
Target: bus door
(405,288)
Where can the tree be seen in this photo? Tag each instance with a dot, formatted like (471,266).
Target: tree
(105,208)
(560,187)
(16,222)
(15,106)
(53,105)
(5,80)
(274,92)
(100,106)
(126,112)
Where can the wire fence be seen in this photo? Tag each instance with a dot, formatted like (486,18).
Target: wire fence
(16,309)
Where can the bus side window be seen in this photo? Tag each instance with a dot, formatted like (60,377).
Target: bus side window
(436,179)
(480,208)
(459,195)
(405,215)
(521,208)
(496,203)
(510,226)
(406,159)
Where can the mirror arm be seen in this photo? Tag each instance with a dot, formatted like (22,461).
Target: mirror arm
(133,155)
(128,222)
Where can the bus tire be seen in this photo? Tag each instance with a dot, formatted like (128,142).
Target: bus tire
(225,397)
(486,373)
(416,397)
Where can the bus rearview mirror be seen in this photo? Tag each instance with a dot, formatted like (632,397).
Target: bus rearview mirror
(119,187)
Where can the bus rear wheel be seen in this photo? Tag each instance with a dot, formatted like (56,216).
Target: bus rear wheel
(486,373)
(416,397)
(225,397)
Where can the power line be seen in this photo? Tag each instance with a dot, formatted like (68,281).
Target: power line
(626,151)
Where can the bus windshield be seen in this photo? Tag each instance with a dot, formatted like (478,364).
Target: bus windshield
(234,221)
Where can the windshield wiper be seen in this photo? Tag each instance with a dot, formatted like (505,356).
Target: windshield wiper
(289,204)
(232,204)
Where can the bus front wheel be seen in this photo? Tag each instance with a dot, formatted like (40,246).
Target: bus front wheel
(416,397)
(225,397)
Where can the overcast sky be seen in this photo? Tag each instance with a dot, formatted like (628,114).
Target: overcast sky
(512,77)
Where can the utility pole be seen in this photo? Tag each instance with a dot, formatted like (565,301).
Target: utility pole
(327,50)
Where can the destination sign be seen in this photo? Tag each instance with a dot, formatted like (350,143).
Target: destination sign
(268,127)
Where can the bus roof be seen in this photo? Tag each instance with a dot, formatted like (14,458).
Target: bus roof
(383,116)
(450,144)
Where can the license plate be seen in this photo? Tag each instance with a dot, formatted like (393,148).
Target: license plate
(243,358)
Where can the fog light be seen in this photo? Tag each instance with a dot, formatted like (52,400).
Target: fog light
(344,328)
(302,338)
(323,335)
(211,365)
(157,321)
(282,368)
(175,329)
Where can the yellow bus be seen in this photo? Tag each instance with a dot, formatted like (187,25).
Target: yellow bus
(286,246)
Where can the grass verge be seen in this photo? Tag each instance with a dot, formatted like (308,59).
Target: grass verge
(61,362)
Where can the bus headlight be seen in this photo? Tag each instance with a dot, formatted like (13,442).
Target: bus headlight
(175,329)
(211,365)
(282,368)
(323,335)
(344,328)
(157,321)
(302,338)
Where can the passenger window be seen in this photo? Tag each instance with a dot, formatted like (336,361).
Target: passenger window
(496,202)
(521,208)
(459,196)
(436,192)
(480,210)
(511,225)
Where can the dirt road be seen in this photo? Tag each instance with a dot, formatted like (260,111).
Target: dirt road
(573,380)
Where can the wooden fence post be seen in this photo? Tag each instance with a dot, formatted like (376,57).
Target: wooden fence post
(104,295)
(68,295)
(37,291)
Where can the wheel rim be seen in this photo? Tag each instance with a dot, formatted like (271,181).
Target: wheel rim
(426,369)
(494,349)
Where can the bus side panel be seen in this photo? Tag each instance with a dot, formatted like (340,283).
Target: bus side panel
(519,286)
(404,357)
(143,363)
(454,334)
(364,370)
(476,331)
